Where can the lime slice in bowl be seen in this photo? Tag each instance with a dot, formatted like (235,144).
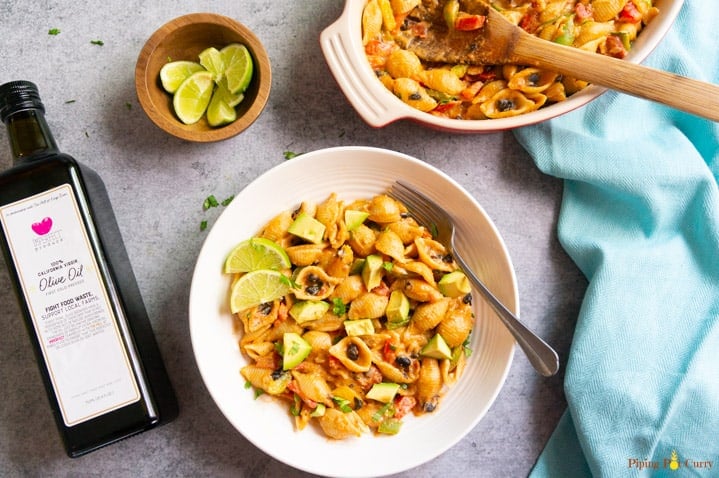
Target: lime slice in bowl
(212,60)
(257,287)
(220,113)
(238,67)
(174,73)
(192,97)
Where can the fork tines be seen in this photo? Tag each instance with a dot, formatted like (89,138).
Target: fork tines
(424,210)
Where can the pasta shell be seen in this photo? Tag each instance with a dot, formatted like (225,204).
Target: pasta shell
(403,6)
(383,209)
(443,80)
(434,254)
(422,270)
(418,289)
(371,22)
(353,353)
(276,228)
(414,94)
(427,316)
(403,64)
(314,387)
(349,289)
(362,241)
(532,80)
(407,229)
(313,283)
(368,306)
(396,374)
(305,254)
(429,384)
(457,323)
(264,379)
(340,425)
(510,102)
(605,10)
(389,243)
(319,341)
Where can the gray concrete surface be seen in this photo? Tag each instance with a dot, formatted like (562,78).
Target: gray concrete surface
(158,183)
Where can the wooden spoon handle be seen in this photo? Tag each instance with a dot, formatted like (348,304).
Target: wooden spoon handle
(693,96)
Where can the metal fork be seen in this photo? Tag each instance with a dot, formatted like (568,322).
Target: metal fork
(428,213)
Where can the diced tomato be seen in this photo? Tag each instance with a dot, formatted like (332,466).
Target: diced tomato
(472,90)
(403,405)
(467,23)
(630,14)
(530,22)
(583,12)
(334,362)
(388,351)
(451,109)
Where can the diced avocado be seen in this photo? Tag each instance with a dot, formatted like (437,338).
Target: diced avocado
(308,310)
(295,350)
(454,284)
(397,311)
(436,348)
(383,392)
(372,271)
(357,266)
(353,219)
(359,327)
(307,228)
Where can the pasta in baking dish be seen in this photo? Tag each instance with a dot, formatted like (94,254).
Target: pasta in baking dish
(377,319)
(478,92)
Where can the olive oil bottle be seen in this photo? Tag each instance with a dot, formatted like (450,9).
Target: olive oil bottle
(94,345)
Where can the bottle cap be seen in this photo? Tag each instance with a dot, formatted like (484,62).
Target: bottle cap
(18,96)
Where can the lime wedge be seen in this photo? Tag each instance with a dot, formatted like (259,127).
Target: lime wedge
(257,287)
(219,113)
(238,67)
(231,99)
(192,97)
(255,254)
(174,73)
(211,59)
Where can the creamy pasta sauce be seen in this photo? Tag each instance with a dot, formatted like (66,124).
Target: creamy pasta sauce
(376,324)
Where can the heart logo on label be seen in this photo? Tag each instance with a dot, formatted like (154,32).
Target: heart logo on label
(43,227)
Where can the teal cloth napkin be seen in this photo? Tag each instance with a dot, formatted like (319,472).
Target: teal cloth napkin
(640,217)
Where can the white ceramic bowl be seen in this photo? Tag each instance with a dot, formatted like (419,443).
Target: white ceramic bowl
(351,172)
(342,47)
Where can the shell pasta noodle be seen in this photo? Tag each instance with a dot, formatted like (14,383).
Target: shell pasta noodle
(480,92)
(374,323)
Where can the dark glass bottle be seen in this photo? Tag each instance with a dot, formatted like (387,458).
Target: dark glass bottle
(82,307)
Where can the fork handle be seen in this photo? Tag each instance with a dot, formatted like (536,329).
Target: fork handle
(542,357)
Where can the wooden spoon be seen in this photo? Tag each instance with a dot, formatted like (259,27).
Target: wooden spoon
(501,42)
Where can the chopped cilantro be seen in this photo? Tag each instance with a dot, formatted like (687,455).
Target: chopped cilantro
(290,154)
(97,42)
(343,404)
(338,307)
(203,225)
(387,266)
(228,200)
(53,31)
(210,201)
(69,101)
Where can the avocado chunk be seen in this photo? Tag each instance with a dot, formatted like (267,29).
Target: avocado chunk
(383,392)
(372,271)
(454,284)
(295,350)
(436,348)
(359,327)
(354,219)
(397,311)
(308,228)
(308,310)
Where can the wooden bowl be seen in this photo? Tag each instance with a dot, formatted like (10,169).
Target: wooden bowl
(183,39)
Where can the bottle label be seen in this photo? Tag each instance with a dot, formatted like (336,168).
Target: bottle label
(69,305)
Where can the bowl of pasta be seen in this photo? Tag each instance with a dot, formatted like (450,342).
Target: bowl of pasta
(329,327)
(378,52)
